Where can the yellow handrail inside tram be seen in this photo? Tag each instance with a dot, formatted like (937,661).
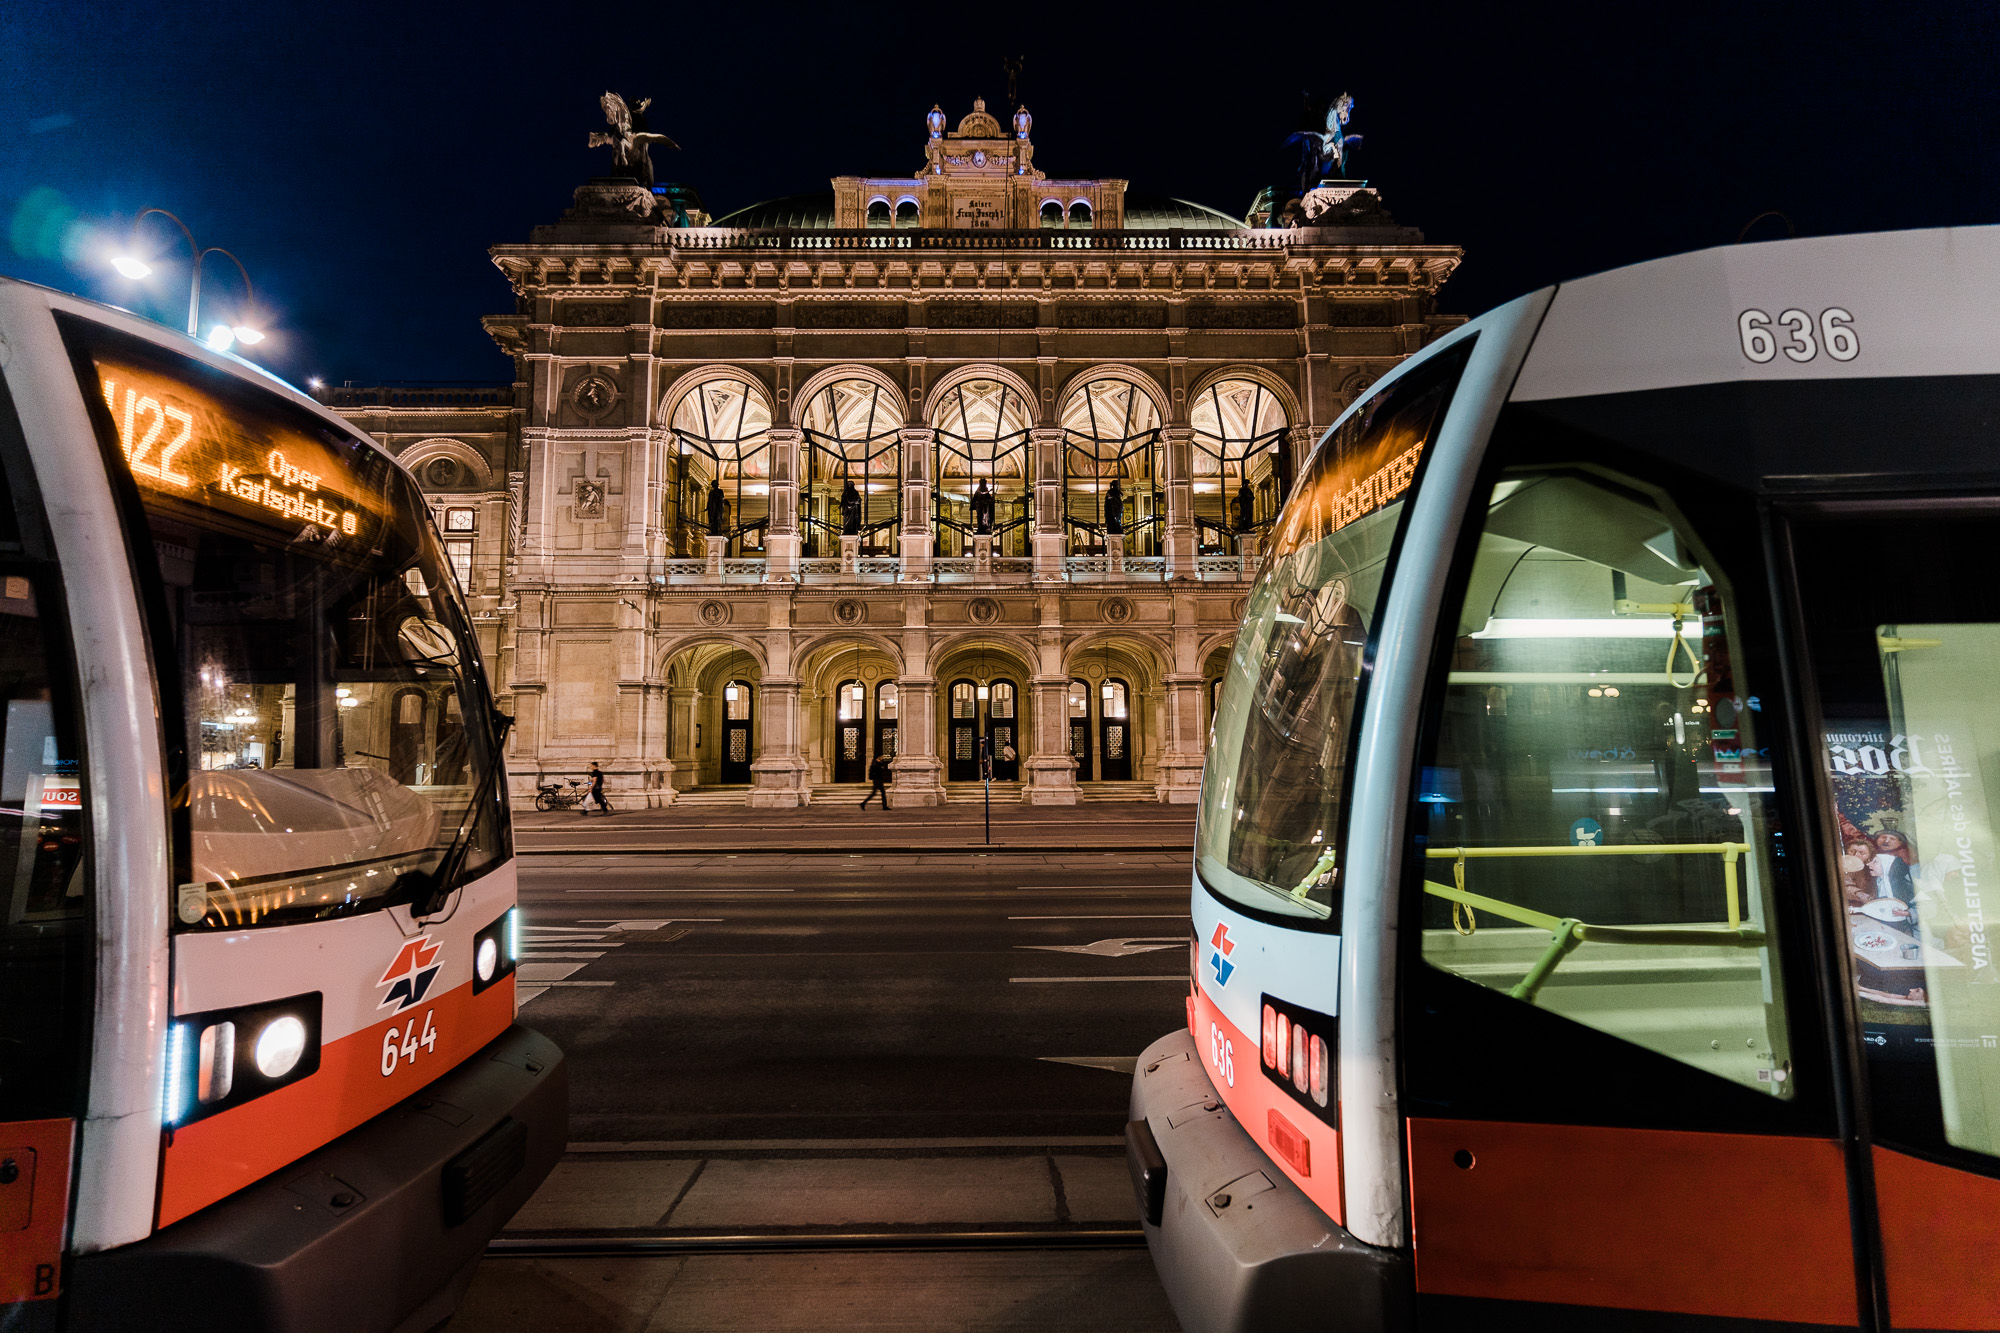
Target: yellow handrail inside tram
(1568,932)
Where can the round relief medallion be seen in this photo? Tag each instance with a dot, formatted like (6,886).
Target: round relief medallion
(1238,607)
(849,612)
(983,610)
(714,613)
(1094,671)
(1115,610)
(594,395)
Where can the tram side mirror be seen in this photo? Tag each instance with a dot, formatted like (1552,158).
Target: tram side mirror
(426,643)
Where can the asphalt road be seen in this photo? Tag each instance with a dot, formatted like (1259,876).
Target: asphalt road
(772,997)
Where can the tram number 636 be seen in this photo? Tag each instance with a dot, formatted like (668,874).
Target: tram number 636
(412,1042)
(1222,1054)
(1836,335)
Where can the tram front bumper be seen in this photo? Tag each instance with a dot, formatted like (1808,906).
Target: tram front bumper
(1280,1264)
(377,1232)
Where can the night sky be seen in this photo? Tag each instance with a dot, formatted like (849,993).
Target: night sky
(360,162)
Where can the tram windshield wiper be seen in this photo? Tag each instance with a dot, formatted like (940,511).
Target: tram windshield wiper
(426,890)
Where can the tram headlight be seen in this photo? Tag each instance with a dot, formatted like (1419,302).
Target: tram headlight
(496,949)
(280,1045)
(225,1057)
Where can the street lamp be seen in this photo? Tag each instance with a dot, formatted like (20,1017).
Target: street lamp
(222,336)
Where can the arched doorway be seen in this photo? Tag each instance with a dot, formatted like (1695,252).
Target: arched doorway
(1002,730)
(1079,728)
(736,732)
(406,736)
(850,730)
(1114,732)
(886,698)
(963,764)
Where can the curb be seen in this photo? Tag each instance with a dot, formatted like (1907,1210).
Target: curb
(850,848)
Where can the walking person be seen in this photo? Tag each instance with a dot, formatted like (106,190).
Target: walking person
(596,793)
(878,773)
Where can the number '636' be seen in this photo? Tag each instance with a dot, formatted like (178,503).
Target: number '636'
(1761,336)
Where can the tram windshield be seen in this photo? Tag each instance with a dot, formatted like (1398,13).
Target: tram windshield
(335,727)
(1275,786)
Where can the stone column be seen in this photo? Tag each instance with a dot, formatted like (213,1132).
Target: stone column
(778,774)
(682,710)
(1114,555)
(781,537)
(1045,447)
(717,547)
(1181,537)
(1301,440)
(1177,775)
(850,554)
(1051,771)
(918,776)
(918,540)
(982,555)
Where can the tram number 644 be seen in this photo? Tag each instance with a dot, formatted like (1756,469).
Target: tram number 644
(1760,338)
(1222,1054)
(412,1042)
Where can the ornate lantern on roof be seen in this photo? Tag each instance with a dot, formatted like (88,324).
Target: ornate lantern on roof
(935,121)
(1022,122)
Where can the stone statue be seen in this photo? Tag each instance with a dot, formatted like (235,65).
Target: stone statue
(850,510)
(1114,509)
(982,508)
(1245,508)
(630,142)
(1321,150)
(718,511)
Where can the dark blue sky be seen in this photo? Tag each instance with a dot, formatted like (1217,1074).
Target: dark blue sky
(361,160)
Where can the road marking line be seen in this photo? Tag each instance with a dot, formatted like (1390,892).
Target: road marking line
(848,1145)
(1118,948)
(1178,976)
(546,973)
(1116,1064)
(532,953)
(655,925)
(1126,916)
(699,893)
(579,983)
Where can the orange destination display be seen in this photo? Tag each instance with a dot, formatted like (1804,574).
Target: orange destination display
(185,442)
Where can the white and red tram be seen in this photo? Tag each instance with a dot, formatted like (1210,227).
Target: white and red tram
(258,1060)
(1591,883)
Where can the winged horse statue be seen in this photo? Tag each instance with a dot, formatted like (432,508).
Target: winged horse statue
(630,142)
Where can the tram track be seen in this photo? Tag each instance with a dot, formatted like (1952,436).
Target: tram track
(629,1245)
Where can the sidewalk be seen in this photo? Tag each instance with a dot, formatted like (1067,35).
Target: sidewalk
(844,828)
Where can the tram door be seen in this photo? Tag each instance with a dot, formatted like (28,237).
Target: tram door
(736,738)
(1902,662)
(1114,732)
(1079,728)
(1620,1106)
(963,766)
(886,695)
(850,753)
(1002,734)
(406,736)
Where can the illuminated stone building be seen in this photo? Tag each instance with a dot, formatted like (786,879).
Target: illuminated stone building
(1076,349)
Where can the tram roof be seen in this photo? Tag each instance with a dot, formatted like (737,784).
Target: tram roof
(1655,356)
(138,326)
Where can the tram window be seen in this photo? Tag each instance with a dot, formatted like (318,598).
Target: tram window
(317,635)
(1903,663)
(1274,789)
(1598,810)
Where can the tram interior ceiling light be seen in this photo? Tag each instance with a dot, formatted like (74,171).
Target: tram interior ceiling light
(1503,627)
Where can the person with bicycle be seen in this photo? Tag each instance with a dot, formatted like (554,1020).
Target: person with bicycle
(596,793)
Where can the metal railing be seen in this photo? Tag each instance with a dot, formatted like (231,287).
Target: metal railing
(831,238)
(1568,932)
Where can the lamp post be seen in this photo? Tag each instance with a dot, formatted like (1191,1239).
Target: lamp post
(223,335)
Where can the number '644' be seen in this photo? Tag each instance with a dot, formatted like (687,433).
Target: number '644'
(1793,334)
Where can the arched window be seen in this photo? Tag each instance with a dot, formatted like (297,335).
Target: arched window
(850,429)
(722,438)
(906,213)
(1241,460)
(1079,214)
(981,433)
(1111,433)
(878,212)
(736,701)
(1052,214)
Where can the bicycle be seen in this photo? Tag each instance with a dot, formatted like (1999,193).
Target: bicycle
(561,796)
